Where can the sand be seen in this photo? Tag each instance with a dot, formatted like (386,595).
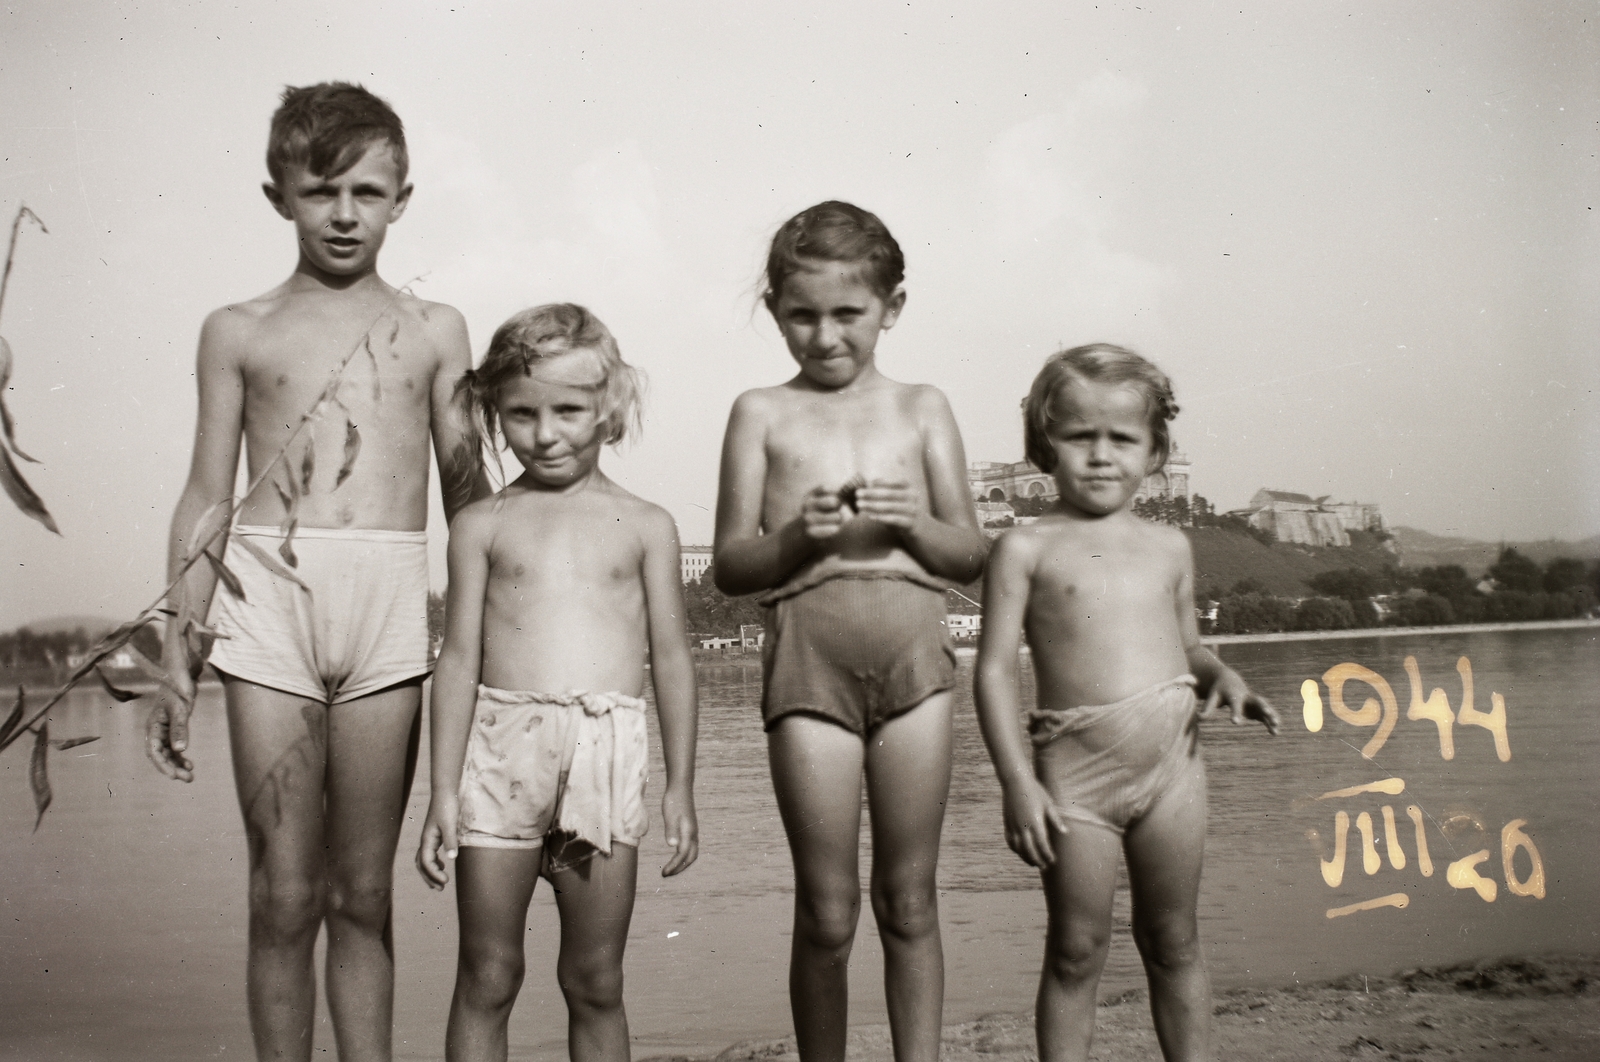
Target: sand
(1545,1008)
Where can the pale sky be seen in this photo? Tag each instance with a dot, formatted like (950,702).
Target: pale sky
(1362,239)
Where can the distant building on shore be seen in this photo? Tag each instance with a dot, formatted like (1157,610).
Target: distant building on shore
(1000,481)
(694,560)
(1308,521)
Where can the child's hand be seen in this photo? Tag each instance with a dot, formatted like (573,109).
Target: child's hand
(167,728)
(438,843)
(822,513)
(683,831)
(1031,816)
(891,502)
(1230,689)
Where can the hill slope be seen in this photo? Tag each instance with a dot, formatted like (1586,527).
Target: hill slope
(1422,549)
(1222,558)
(96,626)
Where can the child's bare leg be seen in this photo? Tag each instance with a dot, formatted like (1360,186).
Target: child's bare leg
(908,780)
(595,899)
(279,744)
(1078,889)
(816,774)
(372,746)
(1164,852)
(493,887)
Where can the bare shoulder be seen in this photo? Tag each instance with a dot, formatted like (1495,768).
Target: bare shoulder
(441,326)
(927,400)
(231,332)
(761,404)
(655,524)
(435,318)
(1170,541)
(1167,547)
(1021,547)
(476,522)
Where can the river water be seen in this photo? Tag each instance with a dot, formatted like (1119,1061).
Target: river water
(122,920)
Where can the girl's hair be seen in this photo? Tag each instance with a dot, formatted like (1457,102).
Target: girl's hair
(1101,363)
(540,334)
(834,232)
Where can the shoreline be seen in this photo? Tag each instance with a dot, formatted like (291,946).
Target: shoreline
(740,656)
(1394,632)
(1370,632)
(1505,1007)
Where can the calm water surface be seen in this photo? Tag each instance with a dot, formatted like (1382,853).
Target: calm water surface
(122,919)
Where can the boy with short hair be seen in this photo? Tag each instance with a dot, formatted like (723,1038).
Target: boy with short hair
(322,653)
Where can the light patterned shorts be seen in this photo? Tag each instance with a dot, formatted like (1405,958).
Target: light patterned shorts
(567,766)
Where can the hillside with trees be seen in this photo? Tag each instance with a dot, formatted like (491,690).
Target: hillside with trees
(1258,585)
(1514,589)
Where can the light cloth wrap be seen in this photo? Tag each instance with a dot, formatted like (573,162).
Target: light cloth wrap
(1110,764)
(570,764)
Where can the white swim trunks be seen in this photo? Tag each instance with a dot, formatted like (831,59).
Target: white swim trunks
(362,628)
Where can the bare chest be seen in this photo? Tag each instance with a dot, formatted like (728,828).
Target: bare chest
(1090,583)
(576,559)
(828,444)
(289,375)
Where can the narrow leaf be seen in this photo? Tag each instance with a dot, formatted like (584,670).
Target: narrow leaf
(199,640)
(108,645)
(204,536)
(308,463)
(203,532)
(39,772)
(186,618)
(352,447)
(72,743)
(286,551)
(291,519)
(22,494)
(230,580)
(154,671)
(394,332)
(208,632)
(14,718)
(377,385)
(117,692)
(7,425)
(270,563)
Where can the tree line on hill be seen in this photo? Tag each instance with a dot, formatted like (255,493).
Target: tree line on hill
(1516,589)
(25,648)
(709,613)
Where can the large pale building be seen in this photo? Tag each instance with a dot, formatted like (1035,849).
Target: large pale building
(999,481)
(695,560)
(1309,521)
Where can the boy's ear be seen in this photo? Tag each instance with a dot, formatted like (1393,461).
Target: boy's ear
(892,306)
(274,196)
(400,202)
